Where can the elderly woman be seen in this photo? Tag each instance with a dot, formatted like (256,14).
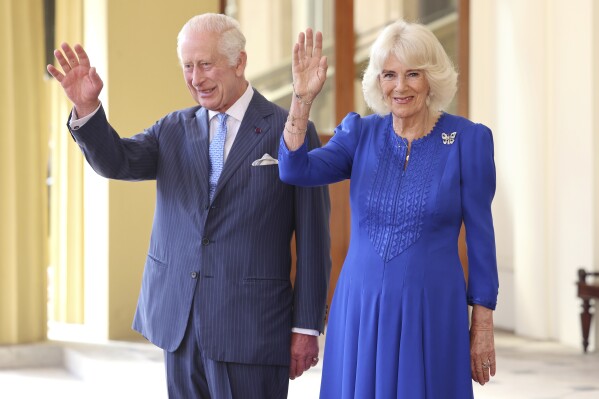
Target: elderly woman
(399,324)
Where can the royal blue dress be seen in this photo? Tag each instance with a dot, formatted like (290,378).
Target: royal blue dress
(398,324)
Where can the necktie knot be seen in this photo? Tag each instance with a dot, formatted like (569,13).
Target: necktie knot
(222,120)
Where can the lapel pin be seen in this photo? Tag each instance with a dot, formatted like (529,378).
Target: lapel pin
(258,130)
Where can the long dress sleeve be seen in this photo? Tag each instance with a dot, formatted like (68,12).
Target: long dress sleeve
(329,164)
(477,192)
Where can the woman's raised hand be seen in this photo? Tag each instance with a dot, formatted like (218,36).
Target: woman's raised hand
(80,81)
(309,66)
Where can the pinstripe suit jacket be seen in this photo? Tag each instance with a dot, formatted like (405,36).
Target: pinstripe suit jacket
(234,251)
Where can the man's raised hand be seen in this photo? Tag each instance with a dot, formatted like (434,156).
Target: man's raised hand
(80,81)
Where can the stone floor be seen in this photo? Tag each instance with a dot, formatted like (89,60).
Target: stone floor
(527,369)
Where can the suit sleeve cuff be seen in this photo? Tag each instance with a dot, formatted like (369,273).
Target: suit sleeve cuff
(76,123)
(305,331)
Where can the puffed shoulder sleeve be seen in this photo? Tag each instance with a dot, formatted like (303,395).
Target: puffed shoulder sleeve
(328,164)
(477,190)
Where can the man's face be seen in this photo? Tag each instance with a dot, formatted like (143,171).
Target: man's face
(212,82)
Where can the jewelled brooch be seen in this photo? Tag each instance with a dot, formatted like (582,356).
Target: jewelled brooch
(448,138)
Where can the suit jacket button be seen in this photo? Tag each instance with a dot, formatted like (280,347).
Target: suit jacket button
(205,241)
(194,275)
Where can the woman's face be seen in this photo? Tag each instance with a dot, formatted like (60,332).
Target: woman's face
(405,90)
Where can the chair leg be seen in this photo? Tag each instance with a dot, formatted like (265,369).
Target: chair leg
(585,319)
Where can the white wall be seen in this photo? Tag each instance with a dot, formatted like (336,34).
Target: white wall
(532,80)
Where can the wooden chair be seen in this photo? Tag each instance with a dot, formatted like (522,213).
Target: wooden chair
(587,292)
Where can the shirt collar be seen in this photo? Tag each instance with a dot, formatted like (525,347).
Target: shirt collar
(237,110)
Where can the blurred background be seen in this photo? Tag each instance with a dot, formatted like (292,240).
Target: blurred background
(72,244)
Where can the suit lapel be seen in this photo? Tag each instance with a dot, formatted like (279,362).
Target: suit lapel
(253,129)
(198,137)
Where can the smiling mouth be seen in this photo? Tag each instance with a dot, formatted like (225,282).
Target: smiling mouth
(205,92)
(403,100)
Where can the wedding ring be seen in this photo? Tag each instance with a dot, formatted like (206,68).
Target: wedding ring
(486,364)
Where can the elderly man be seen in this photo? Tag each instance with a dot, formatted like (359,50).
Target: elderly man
(216,292)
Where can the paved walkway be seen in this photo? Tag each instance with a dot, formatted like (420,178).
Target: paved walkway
(527,369)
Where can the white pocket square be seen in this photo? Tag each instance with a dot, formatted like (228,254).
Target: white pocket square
(265,160)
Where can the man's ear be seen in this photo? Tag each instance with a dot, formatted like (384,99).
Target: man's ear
(241,63)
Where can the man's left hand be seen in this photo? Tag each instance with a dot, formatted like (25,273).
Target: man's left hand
(304,354)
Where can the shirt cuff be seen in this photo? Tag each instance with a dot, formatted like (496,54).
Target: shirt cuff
(305,331)
(75,123)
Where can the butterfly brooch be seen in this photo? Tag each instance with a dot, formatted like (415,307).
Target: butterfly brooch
(448,138)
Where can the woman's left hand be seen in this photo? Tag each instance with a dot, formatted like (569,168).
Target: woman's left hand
(482,345)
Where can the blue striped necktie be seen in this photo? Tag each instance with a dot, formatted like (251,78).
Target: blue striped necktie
(217,151)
